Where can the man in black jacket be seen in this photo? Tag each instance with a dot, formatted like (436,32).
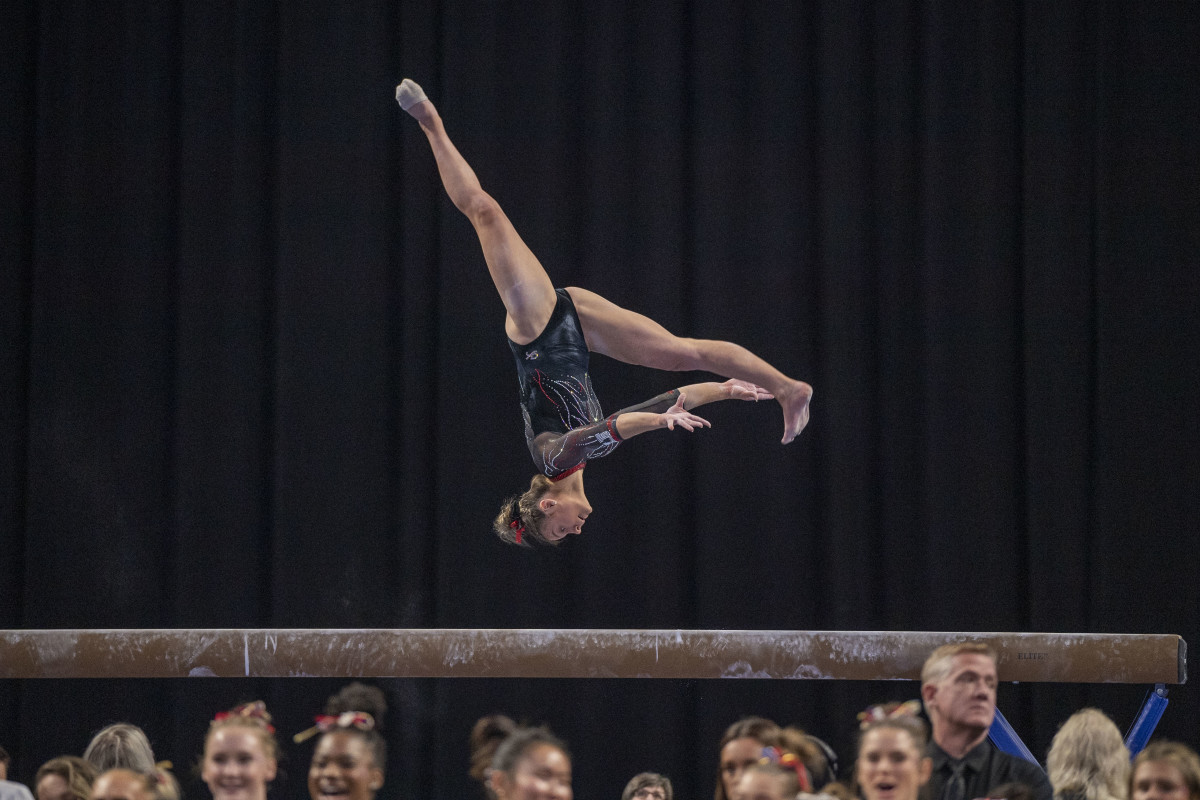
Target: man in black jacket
(958,686)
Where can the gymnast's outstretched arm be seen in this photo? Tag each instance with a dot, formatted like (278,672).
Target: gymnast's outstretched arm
(699,394)
(632,422)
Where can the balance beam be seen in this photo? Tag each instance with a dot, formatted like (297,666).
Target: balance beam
(530,653)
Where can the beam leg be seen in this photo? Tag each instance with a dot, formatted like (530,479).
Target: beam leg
(1006,739)
(1147,719)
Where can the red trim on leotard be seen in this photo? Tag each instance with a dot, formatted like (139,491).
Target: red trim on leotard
(562,475)
(611,424)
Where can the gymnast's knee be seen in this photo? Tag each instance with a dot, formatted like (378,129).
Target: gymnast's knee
(482,209)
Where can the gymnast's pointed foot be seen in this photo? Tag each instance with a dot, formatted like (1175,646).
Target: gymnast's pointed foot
(412,99)
(794,400)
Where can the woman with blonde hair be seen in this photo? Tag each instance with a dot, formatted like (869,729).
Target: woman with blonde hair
(240,753)
(1088,759)
(121,746)
(64,778)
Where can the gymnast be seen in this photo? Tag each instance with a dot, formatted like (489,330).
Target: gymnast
(241,754)
(551,331)
(351,755)
(891,763)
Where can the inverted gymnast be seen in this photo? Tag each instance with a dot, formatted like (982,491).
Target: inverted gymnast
(551,331)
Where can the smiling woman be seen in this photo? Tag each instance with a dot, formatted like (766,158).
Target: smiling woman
(516,762)
(240,753)
(349,761)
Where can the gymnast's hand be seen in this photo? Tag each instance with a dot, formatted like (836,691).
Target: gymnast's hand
(678,415)
(744,390)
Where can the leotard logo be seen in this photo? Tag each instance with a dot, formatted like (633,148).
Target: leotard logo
(531,355)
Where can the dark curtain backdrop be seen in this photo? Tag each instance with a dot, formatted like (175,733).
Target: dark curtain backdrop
(254,371)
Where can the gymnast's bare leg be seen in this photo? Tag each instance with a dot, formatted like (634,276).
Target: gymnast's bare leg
(523,284)
(529,299)
(636,339)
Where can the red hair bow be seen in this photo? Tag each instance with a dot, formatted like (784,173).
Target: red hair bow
(255,712)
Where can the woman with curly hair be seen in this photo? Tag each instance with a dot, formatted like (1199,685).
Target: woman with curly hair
(351,755)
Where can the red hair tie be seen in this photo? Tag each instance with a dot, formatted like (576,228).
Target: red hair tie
(518,527)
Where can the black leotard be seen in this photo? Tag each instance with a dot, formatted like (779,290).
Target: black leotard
(564,426)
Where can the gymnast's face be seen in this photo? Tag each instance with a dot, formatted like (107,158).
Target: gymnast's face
(754,785)
(236,766)
(543,772)
(565,515)
(53,787)
(736,755)
(891,766)
(121,784)
(343,768)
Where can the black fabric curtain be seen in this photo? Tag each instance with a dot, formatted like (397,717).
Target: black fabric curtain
(254,372)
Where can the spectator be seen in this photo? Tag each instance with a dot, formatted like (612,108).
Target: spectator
(648,786)
(766,780)
(64,778)
(121,746)
(740,746)
(166,787)
(817,757)
(240,753)
(1088,759)
(1165,771)
(351,756)
(892,763)
(10,790)
(124,784)
(958,686)
(747,741)
(515,762)
(1011,791)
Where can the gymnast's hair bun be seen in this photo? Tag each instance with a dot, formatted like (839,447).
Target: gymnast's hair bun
(487,735)
(359,697)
